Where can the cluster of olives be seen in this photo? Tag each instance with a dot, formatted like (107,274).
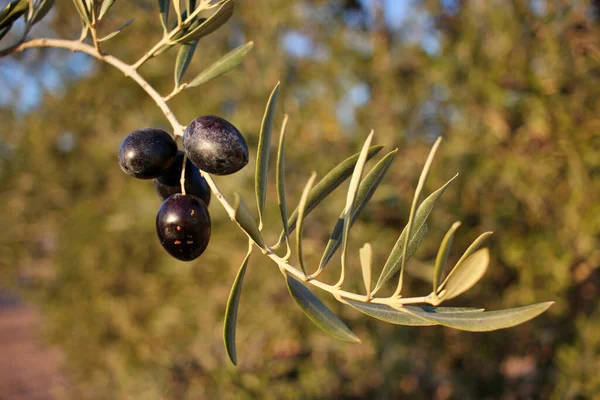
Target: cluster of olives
(211,144)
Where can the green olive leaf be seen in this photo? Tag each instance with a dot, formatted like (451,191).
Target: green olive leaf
(280,183)
(301,208)
(106,5)
(331,181)
(481,322)
(117,31)
(365,255)
(262,155)
(223,65)
(365,191)
(84,13)
(318,312)
(229,326)
(394,261)
(465,274)
(182,61)
(351,197)
(401,315)
(163,7)
(13,11)
(42,10)
(472,249)
(244,219)
(218,19)
(442,256)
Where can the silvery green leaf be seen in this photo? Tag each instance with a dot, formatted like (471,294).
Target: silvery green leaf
(244,219)
(106,5)
(328,184)
(117,31)
(394,261)
(229,326)
(280,183)
(397,259)
(318,312)
(13,11)
(183,59)
(218,19)
(365,255)
(301,208)
(191,6)
(163,7)
(466,274)
(442,256)
(366,189)
(82,10)
(472,249)
(482,322)
(223,65)
(42,10)
(401,315)
(262,155)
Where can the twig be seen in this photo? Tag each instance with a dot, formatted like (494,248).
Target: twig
(131,71)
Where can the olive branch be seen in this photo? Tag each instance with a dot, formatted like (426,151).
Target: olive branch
(187,30)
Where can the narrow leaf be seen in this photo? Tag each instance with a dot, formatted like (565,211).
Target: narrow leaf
(328,184)
(191,6)
(218,19)
(163,7)
(225,64)
(466,274)
(13,11)
(485,321)
(184,57)
(442,256)
(83,12)
(394,261)
(262,155)
(301,208)
(117,31)
(472,249)
(106,5)
(413,210)
(318,312)
(42,10)
(350,198)
(365,254)
(280,183)
(366,189)
(231,311)
(244,219)
(401,315)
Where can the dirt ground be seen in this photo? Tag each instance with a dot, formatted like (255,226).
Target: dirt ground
(29,369)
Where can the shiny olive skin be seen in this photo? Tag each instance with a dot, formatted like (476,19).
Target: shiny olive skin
(146,153)
(183,226)
(214,145)
(169,184)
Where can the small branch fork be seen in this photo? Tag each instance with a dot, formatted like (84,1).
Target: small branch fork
(130,70)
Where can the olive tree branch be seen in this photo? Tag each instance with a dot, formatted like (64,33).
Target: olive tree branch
(131,71)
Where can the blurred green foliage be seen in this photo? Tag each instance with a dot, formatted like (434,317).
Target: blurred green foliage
(514,89)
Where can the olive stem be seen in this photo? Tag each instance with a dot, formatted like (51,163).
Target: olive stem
(131,71)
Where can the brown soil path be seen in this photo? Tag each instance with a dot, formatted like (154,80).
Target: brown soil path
(28,368)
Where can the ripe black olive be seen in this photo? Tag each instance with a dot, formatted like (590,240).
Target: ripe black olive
(215,146)
(169,184)
(145,153)
(183,226)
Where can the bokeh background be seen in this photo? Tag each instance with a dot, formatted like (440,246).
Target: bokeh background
(512,86)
